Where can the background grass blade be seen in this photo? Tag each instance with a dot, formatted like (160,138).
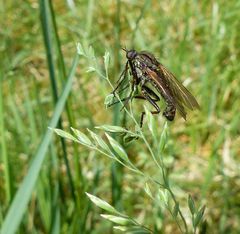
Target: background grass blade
(49,26)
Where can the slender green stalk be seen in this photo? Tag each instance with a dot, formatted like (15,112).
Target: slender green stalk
(116,168)
(47,29)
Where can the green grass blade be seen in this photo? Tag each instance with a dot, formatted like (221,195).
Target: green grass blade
(46,28)
(46,13)
(116,169)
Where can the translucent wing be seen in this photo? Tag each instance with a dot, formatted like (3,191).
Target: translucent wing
(163,87)
(181,94)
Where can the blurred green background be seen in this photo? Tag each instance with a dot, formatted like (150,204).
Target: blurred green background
(199,41)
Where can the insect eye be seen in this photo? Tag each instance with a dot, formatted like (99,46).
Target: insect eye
(131,54)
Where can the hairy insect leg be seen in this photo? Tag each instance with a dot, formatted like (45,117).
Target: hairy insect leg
(124,88)
(153,95)
(124,99)
(127,100)
(121,78)
(120,91)
(146,94)
(130,95)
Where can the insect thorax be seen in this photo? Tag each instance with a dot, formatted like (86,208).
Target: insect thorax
(140,67)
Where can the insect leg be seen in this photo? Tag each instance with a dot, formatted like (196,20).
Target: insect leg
(124,99)
(129,97)
(121,78)
(147,96)
(124,88)
(120,91)
(153,95)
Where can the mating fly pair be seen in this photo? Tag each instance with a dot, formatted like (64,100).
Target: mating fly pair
(151,76)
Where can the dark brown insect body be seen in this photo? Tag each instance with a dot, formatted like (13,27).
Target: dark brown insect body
(145,71)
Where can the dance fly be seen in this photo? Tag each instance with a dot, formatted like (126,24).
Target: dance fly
(153,79)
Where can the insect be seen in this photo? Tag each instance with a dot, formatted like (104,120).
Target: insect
(150,76)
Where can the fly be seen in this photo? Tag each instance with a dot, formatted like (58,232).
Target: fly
(148,74)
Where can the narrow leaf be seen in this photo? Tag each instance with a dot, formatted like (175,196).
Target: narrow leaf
(133,229)
(111,128)
(121,228)
(163,195)
(199,216)
(151,122)
(91,69)
(102,204)
(82,137)
(147,190)
(118,148)
(106,60)
(64,134)
(99,141)
(163,138)
(80,50)
(191,205)
(117,219)
(108,100)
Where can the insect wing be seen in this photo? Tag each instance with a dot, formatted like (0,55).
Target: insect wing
(163,88)
(179,91)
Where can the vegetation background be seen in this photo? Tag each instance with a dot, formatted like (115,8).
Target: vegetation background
(44,177)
